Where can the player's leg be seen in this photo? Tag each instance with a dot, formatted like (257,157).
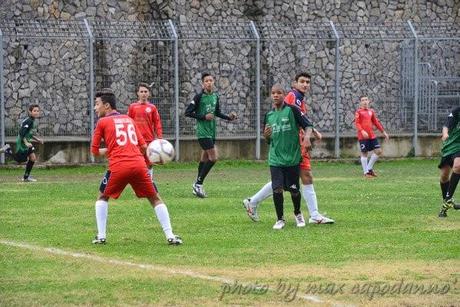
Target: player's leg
(374,146)
(444,180)
(143,187)
(102,211)
(252,202)
(292,185)
(363,155)
(29,165)
(277,176)
(207,160)
(309,193)
(211,154)
(453,182)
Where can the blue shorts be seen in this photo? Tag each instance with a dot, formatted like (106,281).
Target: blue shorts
(369,145)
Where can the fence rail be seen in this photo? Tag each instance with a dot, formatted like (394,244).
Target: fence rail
(410,70)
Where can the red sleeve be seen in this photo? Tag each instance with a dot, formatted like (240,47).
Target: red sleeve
(358,122)
(290,98)
(157,123)
(140,138)
(376,122)
(130,111)
(96,142)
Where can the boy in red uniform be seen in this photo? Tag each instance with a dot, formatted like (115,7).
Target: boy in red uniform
(365,118)
(126,165)
(296,97)
(146,117)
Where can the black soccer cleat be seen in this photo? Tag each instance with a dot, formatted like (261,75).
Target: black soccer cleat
(175,241)
(446,205)
(98,241)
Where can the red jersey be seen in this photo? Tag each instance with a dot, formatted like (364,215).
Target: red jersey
(121,139)
(296,98)
(147,120)
(364,119)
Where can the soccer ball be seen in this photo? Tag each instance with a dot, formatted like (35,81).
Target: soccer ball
(160,151)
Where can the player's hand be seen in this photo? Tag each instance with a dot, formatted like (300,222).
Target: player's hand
(318,136)
(209,116)
(267,132)
(365,134)
(306,143)
(387,137)
(41,141)
(29,145)
(444,136)
(233,115)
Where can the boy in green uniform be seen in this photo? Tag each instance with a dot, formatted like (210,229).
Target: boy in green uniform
(282,125)
(450,160)
(24,150)
(204,108)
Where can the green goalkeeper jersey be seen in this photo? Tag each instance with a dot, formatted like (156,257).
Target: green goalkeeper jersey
(27,130)
(285,123)
(452,144)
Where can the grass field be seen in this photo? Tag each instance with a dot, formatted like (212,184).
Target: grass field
(388,247)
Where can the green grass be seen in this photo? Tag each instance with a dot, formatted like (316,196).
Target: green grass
(390,221)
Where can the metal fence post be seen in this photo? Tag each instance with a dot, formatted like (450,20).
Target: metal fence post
(91,81)
(2,98)
(337,91)
(416,90)
(176,86)
(256,34)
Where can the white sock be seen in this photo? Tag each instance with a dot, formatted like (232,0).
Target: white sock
(163,217)
(102,210)
(364,164)
(372,161)
(263,194)
(309,194)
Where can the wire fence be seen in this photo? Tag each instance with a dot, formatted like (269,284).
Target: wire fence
(410,71)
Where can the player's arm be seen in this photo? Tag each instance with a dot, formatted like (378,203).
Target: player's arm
(305,124)
(96,142)
(190,111)
(379,126)
(158,128)
(25,128)
(37,139)
(359,127)
(218,112)
(267,130)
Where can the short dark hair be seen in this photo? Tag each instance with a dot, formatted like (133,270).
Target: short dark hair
(204,75)
(33,106)
(107,96)
(302,74)
(143,84)
(362,96)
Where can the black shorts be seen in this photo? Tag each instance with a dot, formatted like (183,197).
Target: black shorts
(286,177)
(206,143)
(369,145)
(448,160)
(23,156)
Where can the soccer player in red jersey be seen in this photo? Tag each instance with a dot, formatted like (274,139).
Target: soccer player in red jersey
(365,119)
(296,97)
(146,117)
(126,165)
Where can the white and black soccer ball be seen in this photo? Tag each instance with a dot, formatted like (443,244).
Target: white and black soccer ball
(160,151)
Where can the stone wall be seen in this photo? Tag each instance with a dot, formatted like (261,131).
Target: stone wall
(55,73)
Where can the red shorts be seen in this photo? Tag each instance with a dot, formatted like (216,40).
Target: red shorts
(305,162)
(114,182)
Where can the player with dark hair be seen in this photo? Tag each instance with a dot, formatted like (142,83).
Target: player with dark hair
(281,131)
(450,161)
(25,150)
(295,97)
(126,165)
(204,108)
(146,117)
(365,119)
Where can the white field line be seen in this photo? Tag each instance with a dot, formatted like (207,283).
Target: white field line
(149,267)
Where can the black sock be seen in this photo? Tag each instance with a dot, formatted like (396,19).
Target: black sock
(452,185)
(200,169)
(296,200)
(204,171)
(279,200)
(444,188)
(29,166)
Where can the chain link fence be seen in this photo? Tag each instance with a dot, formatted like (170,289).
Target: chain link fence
(410,71)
